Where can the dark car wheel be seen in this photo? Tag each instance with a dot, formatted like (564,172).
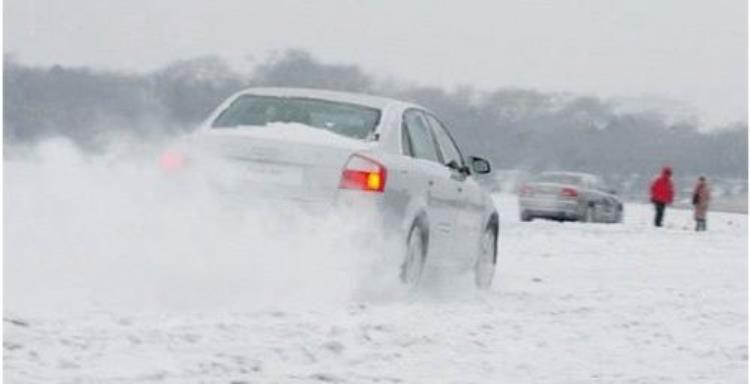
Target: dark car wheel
(484,268)
(588,214)
(620,215)
(414,259)
(525,216)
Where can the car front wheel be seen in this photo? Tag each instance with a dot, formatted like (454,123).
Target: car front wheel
(484,268)
(619,216)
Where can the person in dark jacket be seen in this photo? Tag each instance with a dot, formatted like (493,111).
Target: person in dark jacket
(662,194)
(701,197)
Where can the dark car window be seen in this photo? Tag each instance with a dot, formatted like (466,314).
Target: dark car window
(448,147)
(251,111)
(406,141)
(420,137)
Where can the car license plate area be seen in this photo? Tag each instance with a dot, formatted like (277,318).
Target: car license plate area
(545,196)
(545,200)
(273,174)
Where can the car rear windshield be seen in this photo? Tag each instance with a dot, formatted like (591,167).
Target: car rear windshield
(560,179)
(345,119)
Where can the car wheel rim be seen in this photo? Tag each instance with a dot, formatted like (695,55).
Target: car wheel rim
(411,270)
(485,266)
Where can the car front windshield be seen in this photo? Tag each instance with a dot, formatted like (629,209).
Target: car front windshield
(250,111)
(560,178)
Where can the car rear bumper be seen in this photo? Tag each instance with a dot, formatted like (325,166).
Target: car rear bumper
(550,208)
(360,210)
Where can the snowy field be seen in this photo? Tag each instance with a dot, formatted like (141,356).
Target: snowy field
(573,303)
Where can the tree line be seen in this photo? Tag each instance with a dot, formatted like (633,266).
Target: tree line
(515,128)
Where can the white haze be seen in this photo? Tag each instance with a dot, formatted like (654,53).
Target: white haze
(692,52)
(112,232)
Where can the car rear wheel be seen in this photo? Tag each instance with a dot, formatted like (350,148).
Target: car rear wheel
(588,214)
(416,252)
(525,216)
(484,268)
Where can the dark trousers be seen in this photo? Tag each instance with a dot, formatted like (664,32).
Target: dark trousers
(659,213)
(700,224)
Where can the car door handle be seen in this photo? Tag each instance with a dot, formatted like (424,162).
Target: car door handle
(460,189)
(430,183)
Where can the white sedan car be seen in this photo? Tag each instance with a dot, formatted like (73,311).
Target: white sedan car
(325,148)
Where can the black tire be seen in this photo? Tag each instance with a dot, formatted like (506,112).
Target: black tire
(588,214)
(415,256)
(484,267)
(526,217)
(620,215)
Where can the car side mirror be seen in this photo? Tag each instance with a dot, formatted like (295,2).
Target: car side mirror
(479,165)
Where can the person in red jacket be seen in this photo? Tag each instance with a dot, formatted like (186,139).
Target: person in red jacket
(662,193)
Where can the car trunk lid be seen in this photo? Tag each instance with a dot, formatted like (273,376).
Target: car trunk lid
(547,190)
(286,161)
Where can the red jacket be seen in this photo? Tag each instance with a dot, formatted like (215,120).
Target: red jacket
(662,190)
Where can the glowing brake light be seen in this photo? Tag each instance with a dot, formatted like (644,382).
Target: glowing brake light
(363,174)
(569,192)
(172,160)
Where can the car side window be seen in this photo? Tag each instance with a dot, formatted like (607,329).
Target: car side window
(419,136)
(448,147)
(406,141)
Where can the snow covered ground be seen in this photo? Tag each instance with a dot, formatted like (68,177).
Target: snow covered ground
(573,303)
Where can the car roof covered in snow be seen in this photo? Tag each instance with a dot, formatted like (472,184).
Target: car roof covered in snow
(343,97)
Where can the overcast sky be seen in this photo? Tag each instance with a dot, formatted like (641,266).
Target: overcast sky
(676,51)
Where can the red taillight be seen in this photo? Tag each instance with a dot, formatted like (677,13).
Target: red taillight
(363,174)
(172,160)
(526,190)
(569,192)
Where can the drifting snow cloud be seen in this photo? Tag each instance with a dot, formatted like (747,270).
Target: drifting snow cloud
(113,231)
